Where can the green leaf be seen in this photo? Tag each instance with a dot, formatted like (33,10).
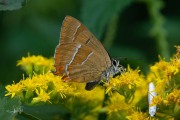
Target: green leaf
(2,89)
(11,4)
(9,108)
(44,112)
(97,13)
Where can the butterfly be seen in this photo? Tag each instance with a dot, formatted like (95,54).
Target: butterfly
(80,56)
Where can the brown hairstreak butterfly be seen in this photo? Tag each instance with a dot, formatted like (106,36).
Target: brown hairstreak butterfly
(80,57)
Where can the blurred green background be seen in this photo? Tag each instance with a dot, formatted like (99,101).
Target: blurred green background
(138,30)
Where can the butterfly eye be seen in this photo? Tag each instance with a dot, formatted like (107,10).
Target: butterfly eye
(114,62)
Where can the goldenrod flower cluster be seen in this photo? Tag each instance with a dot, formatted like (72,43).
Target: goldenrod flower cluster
(38,88)
(127,83)
(37,64)
(127,93)
(137,115)
(165,75)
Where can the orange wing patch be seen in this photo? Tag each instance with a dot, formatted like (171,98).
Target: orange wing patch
(65,78)
(59,70)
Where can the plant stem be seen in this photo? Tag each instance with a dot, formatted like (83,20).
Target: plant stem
(111,31)
(103,116)
(158,31)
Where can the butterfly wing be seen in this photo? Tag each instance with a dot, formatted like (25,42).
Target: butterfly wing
(80,57)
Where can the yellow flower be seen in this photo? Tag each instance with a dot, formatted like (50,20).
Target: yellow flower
(177,55)
(129,78)
(126,84)
(157,100)
(28,84)
(42,96)
(161,86)
(61,87)
(136,115)
(46,84)
(166,102)
(163,69)
(174,96)
(38,64)
(116,104)
(14,89)
(175,61)
(161,74)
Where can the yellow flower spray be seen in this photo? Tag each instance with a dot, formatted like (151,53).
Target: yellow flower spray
(127,93)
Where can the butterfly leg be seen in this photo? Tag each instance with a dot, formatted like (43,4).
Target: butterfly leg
(91,85)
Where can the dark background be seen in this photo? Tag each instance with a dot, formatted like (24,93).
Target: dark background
(138,30)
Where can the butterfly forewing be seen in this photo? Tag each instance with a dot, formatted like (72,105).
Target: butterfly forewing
(74,31)
(80,57)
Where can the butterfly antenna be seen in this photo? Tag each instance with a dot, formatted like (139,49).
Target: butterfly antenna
(126,58)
